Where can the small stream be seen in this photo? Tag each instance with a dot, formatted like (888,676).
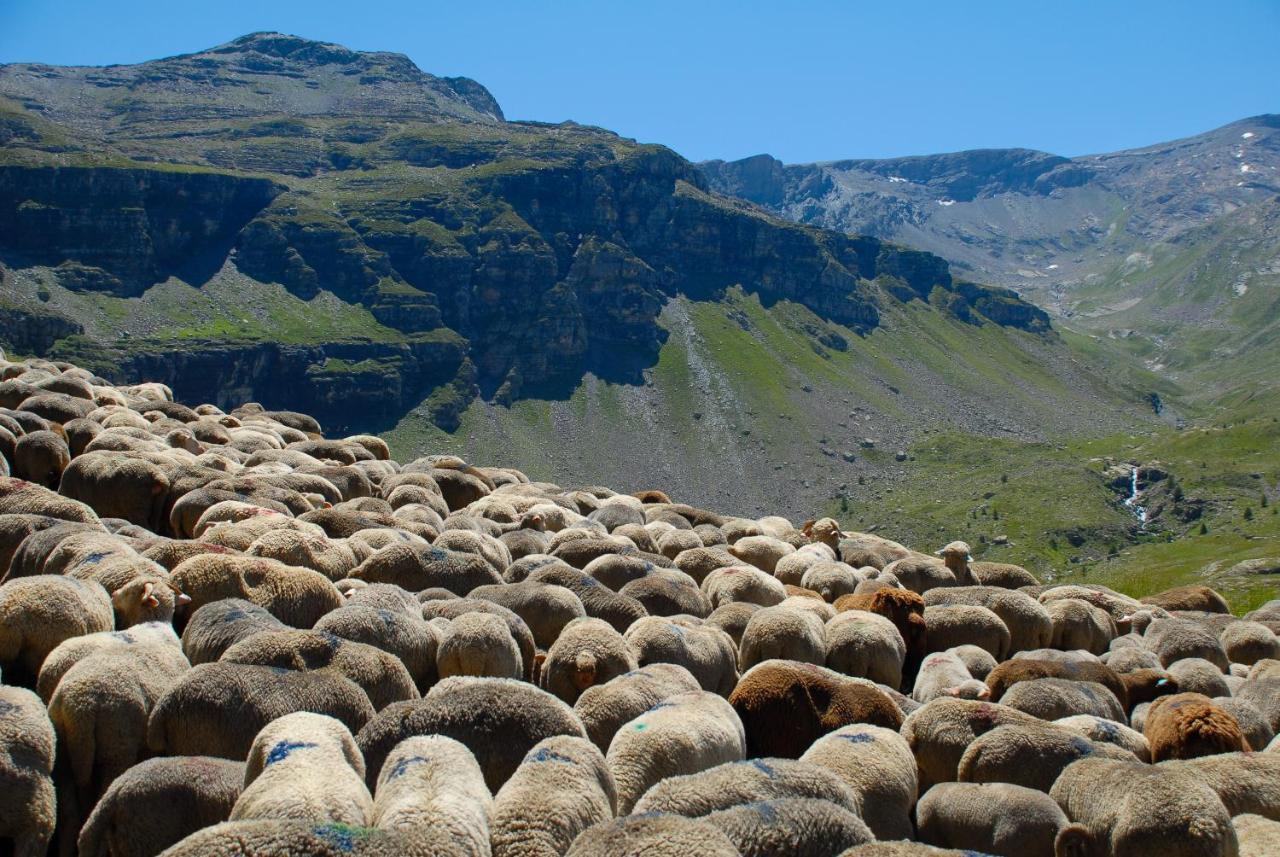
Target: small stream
(1132,500)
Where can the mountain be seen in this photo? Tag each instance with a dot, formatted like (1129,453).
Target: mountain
(341,233)
(1150,247)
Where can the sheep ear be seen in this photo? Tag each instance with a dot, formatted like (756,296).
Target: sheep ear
(147,598)
(968,558)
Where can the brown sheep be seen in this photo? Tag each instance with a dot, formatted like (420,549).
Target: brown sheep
(1189,598)
(1189,725)
(296,596)
(786,706)
(1009,673)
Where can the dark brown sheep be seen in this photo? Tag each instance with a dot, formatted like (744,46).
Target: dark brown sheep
(785,706)
(1011,672)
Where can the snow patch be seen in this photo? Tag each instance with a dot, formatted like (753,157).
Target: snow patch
(1240,288)
(896,179)
(946,202)
(1245,168)
(1053,267)
(1246,135)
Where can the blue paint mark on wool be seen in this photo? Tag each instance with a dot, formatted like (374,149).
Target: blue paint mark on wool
(858,738)
(545,755)
(341,836)
(283,749)
(763,768)
(403,765)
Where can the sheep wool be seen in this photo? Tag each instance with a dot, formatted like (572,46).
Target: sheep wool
(737,783)
(877,765)
(684,734)
(657,835)
(194,792)
(562,787)
(991,818)
(433,783)
(791,827)
(304,767)
(27,812)
(604,708)
(1187,725)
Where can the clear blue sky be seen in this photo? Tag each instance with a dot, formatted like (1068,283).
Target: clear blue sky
(801,80)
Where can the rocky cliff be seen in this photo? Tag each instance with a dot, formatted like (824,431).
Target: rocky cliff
(281,178)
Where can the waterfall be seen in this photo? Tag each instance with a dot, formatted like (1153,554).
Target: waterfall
(1132,500)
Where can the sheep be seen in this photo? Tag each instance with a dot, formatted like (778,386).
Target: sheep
(616,570)
(918,572)
(786,706)
(18,496)
(732,618)
(37,613)
(659,835)
(1257,731)
(960,624)
(27,740)
(992,818)
(742,583)
(216,626)
(877,765)
(331,558)
(381,676)
(191,792)
(499,720)
(667,592)
(706,652)
(956,557)
(780,632)
(1264,694)
(416,567)
(100,711)
(1174,639)
(1187,725)
(1196,675)
(905,609)
(217,709)
(803,827)
(1189,598)
(1028,622)
(598,600)
(406,637)
(296,596)
(1055,698)
(761,551)
(1029,754)
(1078,624)
(544,607)
(1131,658)
(737,783)
(939,733)
(865,645)
(432,782)
(276,838)
(1108,731)
(451,608)
(478,644)
(830,579)
(683,734)
(1249,642)
(1002,574)
(116,486)
(562,787)
(1124,807)
(944,674)
(604,708)
(1258,836)
(40,457)
(304,767)
(1244,782)
(71,651)
(587,652)
(699,562)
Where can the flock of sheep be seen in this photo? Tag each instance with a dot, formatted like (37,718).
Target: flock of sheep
(223,634)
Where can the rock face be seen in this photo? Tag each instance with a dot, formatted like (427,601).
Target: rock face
(533,253)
